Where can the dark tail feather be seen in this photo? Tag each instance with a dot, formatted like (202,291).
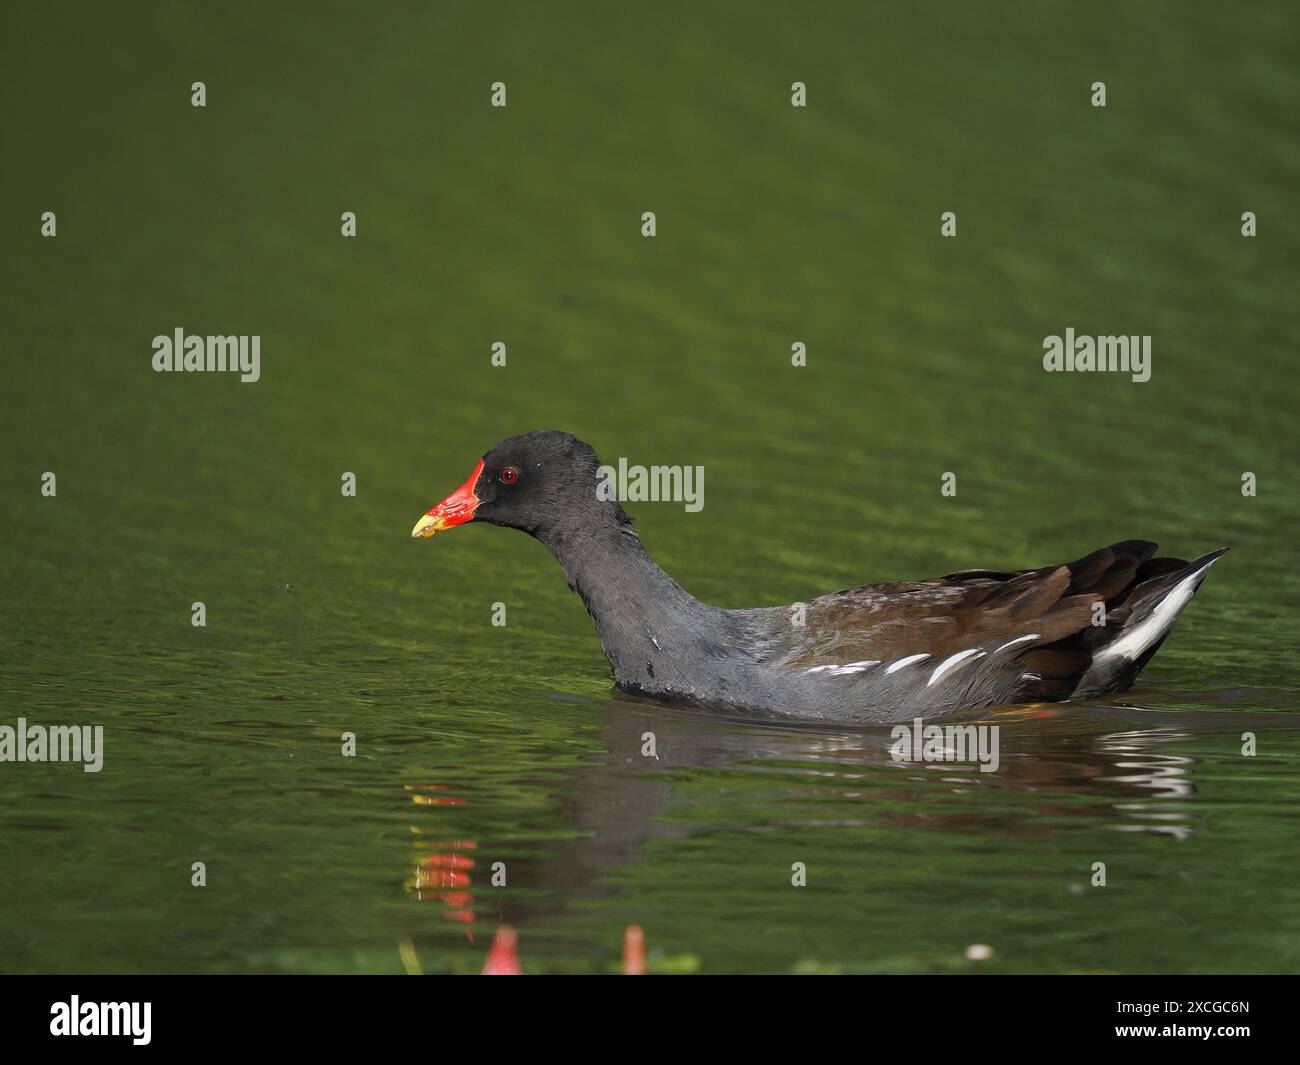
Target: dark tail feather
(1161,589)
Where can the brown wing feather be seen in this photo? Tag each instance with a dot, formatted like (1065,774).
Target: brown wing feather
(949,614)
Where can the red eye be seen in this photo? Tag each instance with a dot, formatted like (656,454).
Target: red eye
(509,475)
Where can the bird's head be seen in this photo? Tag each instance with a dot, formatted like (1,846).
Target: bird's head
(536,482)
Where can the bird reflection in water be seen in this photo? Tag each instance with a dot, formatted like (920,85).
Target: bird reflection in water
(1086,766)
(443,868)
(1163,774)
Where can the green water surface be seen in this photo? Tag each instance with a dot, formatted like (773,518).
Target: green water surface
(480,744)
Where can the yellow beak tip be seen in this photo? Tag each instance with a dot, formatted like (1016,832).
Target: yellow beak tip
(427,526)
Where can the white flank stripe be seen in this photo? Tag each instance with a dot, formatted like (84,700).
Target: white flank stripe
(848,667)
(896,666)
(1012,643)
(950,663)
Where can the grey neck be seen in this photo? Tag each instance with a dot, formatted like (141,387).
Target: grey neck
(651,629)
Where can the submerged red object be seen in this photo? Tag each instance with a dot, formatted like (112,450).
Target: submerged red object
(503,955)
(879,653)
(634,951)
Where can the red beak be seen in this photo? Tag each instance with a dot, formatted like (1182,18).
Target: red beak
(456,509)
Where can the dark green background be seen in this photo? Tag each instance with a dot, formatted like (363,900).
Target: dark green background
(775,224)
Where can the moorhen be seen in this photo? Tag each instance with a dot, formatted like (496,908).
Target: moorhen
(880,653)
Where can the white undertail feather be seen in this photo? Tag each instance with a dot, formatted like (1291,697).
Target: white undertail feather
(1134,642)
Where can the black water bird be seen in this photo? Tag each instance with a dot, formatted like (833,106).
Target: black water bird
(879,653)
